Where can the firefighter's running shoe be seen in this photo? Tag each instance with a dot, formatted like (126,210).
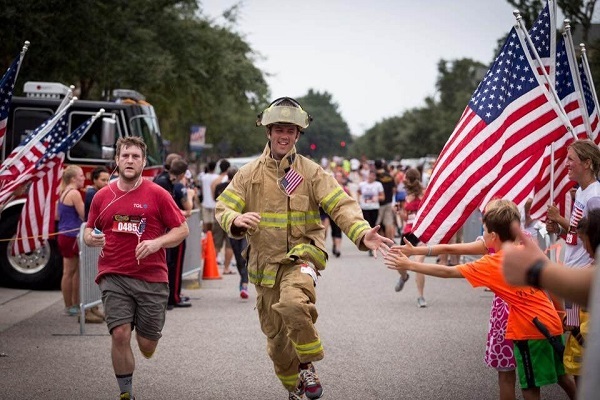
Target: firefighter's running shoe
(296,395)
(309,382)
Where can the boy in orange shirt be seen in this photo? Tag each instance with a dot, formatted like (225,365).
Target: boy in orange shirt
(537,363)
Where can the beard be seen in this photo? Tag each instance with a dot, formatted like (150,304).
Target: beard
(130,178)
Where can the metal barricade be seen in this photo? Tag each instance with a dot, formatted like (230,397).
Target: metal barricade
(472,229)
(89,292)
(192,261)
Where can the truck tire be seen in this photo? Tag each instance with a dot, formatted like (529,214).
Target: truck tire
(39,270)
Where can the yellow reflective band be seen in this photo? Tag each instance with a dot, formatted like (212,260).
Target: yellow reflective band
(304,218)
(273,220)
(309,348)
(232,200)
(357,229)
(289,380)
(330,201)
(293,218)
(228,216)
(267,279)
(308,250)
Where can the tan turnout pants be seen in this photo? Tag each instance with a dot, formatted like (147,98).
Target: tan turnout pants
(287,314)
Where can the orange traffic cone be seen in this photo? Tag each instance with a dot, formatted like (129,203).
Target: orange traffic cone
(210,270)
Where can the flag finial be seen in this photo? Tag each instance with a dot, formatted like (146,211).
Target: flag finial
(517,14)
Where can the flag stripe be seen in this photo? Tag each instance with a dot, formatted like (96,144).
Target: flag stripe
(522,133)
(496,145)
(37,217)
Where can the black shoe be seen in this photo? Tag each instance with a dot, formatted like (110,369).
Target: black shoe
(170,306)
(183,304)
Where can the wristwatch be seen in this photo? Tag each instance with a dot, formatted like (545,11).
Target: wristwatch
(534,272)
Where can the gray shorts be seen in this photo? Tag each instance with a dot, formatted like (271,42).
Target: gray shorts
(386,215)
(132,301)
(219,236)
(208,215)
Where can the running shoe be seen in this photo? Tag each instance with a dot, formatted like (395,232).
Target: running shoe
(126,396)
(244,293)
(335,251)
(72,311)
(296,395)
(421,302)
(310,382)
(400,285)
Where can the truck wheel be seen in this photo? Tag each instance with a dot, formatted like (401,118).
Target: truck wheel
(40,269)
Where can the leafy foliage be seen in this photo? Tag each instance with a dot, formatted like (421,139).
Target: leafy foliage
(327,130)
(192,70)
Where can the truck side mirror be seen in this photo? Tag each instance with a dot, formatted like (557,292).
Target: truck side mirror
(108,138)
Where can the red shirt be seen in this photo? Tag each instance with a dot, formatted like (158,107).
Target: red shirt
(411,214)
(147,210)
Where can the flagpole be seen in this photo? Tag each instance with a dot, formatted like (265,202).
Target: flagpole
(41,133)
(20,185)
(561,111)
(552,67)
(552,235)
(588,73)
(21,56)
(568,38)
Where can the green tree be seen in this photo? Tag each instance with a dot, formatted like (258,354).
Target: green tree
(580,12)
(192,70)
(327,130)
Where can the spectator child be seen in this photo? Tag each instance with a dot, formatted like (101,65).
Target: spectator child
(537,362)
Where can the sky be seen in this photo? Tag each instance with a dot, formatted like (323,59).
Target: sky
(377,58)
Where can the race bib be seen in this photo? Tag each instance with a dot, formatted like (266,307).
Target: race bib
(571,238)
(128,224)
(307,269)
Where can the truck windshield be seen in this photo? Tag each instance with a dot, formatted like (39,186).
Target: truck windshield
(147,128)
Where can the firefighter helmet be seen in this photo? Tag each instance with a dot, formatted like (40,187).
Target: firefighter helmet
(284,110)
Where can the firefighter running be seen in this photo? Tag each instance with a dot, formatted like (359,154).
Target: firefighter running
(274,202)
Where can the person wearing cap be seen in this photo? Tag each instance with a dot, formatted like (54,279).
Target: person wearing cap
(274,202)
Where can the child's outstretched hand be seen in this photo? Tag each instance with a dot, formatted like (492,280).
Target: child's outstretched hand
(407,248)
(396,259)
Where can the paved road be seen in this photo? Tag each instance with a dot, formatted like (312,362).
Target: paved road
(378,344)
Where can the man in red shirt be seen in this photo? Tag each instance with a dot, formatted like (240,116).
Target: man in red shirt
(133,220)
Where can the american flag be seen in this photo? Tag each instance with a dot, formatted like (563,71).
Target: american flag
(518,184)
(33,147)
(7,85)
(591,102)
(22,162)
(571,100)
(291,181)
(544,39)
(508,119)
(37,218)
